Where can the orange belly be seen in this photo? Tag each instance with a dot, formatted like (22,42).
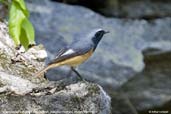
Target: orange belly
(77,60)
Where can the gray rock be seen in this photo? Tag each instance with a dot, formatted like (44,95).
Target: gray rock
(75,98)
(15,61)
(118,63)
(16,67)
(148,9)
(126,41)
(21,92)
(152,84)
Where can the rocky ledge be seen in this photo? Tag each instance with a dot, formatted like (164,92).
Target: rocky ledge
(21,92)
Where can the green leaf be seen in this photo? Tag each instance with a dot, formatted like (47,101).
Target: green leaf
(23,39)
(22,7)
(16,17)
(20,28)
(29,30)
(2,0)
(21,3)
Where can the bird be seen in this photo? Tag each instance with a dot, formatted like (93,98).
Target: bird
(77,52)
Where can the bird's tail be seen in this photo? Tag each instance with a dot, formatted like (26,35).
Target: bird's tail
(45,69)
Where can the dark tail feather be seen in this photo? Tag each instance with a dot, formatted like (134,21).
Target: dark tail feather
(41,71)
(45,69)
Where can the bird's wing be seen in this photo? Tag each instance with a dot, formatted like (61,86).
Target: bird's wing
(61,51)
(69,53)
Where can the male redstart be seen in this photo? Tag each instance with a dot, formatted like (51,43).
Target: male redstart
(77,52)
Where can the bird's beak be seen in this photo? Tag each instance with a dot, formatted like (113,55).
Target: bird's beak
(107,32)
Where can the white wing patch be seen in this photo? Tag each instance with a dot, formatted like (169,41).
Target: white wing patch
(70,51)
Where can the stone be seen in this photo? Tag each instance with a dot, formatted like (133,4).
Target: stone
(119,63)
(152,83)
(21,92)
(75,98)
(147,9)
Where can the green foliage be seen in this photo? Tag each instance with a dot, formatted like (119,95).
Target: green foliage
(20,28)
(4,2)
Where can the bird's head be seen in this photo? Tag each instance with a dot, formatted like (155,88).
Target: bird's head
(97,35)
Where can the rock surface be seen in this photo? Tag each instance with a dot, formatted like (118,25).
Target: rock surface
(75,98)
(21,92)
(152,83)
(148,9)
(120,62)
(3,11)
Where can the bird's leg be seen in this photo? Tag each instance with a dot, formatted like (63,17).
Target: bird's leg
(73,69)
(45,77)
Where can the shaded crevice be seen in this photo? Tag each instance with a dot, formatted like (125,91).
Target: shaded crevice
(134,9)
(157,60)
